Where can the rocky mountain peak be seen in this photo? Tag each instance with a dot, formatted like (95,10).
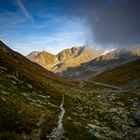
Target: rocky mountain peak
(33,54)
(72,52)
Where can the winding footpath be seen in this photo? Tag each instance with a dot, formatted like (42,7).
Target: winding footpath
(57,133)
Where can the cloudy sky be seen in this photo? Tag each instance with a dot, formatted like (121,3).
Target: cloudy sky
(54,25)
(39,25)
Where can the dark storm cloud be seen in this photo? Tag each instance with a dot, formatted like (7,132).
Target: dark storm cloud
(110,21)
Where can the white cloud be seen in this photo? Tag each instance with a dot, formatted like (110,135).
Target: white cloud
(24,9)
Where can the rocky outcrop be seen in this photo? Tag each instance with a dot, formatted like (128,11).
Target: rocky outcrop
(74,57)
(67,53)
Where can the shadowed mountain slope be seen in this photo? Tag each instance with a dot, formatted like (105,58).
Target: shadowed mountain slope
(29,97)
(122,75)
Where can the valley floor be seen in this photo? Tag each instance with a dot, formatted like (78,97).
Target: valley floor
(92,112)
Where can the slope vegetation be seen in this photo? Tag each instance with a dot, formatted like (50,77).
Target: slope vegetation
(29,101)
(121,75)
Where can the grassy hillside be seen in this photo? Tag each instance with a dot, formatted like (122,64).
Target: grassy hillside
(29,100)
(121,75)
(30,72)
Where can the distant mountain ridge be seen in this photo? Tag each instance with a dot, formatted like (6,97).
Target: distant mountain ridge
(82,62)
(67,58)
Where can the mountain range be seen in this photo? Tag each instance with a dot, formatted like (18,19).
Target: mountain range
(82,63)
(72,57)
(105,62)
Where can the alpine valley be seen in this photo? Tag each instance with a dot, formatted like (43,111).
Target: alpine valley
(78,94)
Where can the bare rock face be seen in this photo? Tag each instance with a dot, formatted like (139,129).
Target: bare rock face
(74,57)
(73,52)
